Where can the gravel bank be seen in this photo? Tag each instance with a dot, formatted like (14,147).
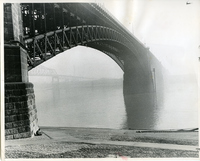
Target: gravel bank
(69,150)
(154,140)
(184,138)
(54,145)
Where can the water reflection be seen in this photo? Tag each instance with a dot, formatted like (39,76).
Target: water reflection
(140,115)
(100,103)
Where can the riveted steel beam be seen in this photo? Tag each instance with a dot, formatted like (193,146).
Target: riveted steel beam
(55,42)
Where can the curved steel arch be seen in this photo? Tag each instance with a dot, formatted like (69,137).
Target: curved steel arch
(109,51)
(116,59)
(45,46)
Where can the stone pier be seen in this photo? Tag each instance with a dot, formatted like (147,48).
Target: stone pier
(20,110)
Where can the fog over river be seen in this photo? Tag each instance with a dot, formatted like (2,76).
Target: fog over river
(170,29)
(77,101)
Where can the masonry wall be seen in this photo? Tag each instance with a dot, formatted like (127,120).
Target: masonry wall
(13,29)
(16,69)
(8,25)
(20,110)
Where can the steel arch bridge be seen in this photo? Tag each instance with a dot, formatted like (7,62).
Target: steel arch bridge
(51,28)
(36,32)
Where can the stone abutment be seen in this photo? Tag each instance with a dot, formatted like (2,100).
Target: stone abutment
(20,110)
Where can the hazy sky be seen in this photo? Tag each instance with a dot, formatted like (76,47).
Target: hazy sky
(169,27)
(171,30)
(84,62)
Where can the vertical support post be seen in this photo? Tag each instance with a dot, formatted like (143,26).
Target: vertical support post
(63,26)
(92,33)
(32,18)
(40,21)
(54,19)
(45,31)
(55,28)
(55,43)
(82,34)
(76,35)
(45,20)
(62,16)
(70,37)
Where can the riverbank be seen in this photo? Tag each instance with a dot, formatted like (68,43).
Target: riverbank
(103,143)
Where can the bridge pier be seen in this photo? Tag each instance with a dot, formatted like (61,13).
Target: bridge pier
(20,110)
(139,96)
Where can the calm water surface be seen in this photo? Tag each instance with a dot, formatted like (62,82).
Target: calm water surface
(102,106)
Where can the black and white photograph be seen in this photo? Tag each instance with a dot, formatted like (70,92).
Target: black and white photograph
(100,79)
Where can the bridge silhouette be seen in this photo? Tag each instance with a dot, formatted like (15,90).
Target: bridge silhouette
(36,32)
(48,72)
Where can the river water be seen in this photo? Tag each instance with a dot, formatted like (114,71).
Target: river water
(101,105)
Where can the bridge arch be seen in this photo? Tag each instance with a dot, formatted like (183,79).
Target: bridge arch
(85,55)
(66,85)
(47,29)
(107,40)
(51,28)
